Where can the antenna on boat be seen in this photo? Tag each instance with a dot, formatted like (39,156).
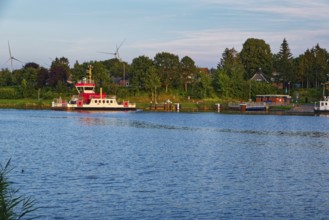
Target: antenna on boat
(89,72)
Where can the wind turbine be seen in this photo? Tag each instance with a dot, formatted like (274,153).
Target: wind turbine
(116,53)
(117,56)
(11,58)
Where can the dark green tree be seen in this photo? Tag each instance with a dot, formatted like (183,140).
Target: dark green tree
(100,75)
(152,83)
(222,83)
(79,71)
(115,67)
(231,62)
(139,71)
(283,64)
(6,78)
(188,71)
(42,77)
(256,54)
(320,65)
(167,66)
(59,72)
(202,87)
(313,64)
(31,65)
(17,76)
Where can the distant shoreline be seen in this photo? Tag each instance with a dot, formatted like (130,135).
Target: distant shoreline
(29,104)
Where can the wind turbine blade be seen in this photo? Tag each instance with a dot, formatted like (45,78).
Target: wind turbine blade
(107,53)
(9,49)
(117,51)
(120,44)
(13,58)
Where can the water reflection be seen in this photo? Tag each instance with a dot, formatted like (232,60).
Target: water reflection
(121,122)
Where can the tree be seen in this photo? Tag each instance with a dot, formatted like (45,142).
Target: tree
(42,77)
(320,65)
(283,63)
(6,78)
(314,66)
(100,74)
(188,71)
(152,82)
(256,54)
(114,66)
(140,68)
(31,65)
(30,74)
(203,85)
(79,71)
(167,66)
(59,72)
(232,64)
(222,83)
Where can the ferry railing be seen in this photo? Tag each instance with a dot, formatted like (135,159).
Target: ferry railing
(85,80)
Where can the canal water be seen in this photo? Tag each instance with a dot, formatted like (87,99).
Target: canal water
(142,165)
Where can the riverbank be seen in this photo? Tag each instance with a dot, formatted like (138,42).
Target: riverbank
(25,103)
(200,106)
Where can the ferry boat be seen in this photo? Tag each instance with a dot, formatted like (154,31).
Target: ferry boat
(88,99)
(322,106)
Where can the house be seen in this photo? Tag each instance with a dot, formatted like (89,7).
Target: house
(259,76)
(203,70)
(120,81)
(278,99)
(277,81)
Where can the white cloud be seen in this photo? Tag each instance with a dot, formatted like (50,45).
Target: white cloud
(206,46)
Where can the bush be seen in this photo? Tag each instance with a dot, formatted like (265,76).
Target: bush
(9,93)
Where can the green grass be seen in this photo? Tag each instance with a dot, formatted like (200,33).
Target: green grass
(25,103)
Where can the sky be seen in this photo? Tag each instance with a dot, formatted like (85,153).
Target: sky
(39,31)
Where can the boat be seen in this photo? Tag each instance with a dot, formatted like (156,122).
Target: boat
(248,106)
(322,106)
(88,99)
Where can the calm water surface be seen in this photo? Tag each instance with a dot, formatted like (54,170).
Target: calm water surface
(142,165)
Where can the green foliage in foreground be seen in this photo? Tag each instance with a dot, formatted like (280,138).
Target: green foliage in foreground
(12,206)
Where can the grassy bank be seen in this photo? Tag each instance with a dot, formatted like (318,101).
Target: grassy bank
(142,103)
(25,103)
(206,105)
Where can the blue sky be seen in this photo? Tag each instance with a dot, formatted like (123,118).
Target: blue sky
(40,30)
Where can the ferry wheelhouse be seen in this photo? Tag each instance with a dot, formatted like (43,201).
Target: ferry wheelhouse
(322,106)
(88,99)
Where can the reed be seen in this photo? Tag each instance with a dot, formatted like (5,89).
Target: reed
(12,205)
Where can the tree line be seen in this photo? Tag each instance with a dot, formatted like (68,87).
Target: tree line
(166,73)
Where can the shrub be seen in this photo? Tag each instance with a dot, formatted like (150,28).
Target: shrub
(9,93)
